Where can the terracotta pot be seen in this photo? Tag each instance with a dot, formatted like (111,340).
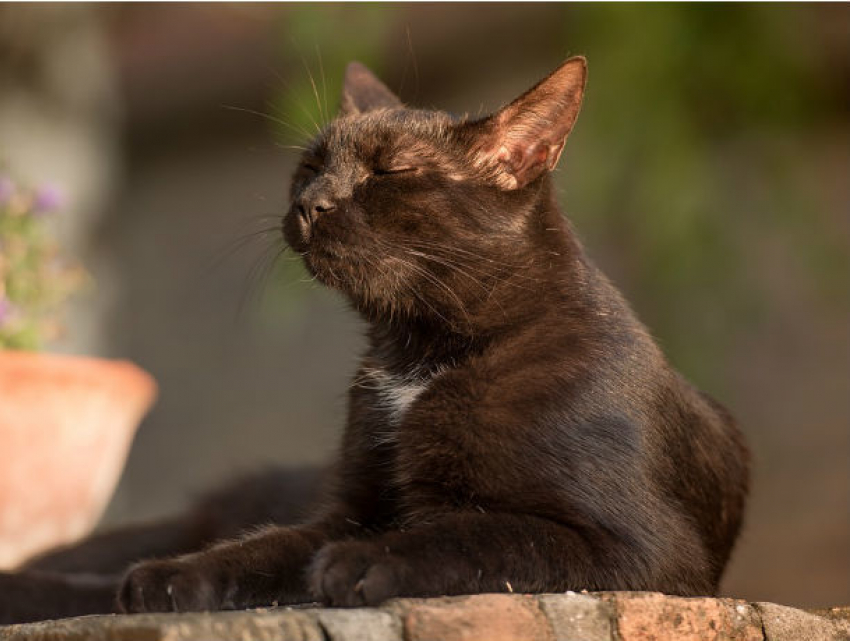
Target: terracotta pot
(66,425)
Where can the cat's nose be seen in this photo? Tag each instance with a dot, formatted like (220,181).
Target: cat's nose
(309,210)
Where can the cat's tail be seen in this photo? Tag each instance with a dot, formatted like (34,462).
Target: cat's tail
(34,596)
(83,578)
(277,496)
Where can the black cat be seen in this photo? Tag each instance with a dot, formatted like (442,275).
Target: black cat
(512,427)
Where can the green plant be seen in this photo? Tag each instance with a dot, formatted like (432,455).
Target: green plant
(35,279)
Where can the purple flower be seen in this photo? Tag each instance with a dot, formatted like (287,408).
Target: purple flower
(7,190)
(48,198)
(6,310)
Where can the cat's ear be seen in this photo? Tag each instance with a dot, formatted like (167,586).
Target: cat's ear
(362,91)
(526,138)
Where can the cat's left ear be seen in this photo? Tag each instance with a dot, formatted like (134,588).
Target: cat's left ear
(362,91)
(526,138)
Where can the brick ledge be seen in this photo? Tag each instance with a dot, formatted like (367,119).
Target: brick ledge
(611,616)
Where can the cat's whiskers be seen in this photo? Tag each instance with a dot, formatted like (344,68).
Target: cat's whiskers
(324,82)
(487,290)
(445,263)
(468,264)
(262,114)
(411,57)
(386,276)
(241,241)
(472,256)
(322,116)
(392,302)
(433,279)
(277,218)
(454,264)
(258,275)
(473,266)
(291,147)
(333,274)
(292,96)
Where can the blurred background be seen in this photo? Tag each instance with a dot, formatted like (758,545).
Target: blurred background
(708,174)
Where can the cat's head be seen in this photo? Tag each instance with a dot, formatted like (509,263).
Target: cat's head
(415,213)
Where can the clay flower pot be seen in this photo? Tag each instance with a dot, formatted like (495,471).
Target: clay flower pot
(66,424)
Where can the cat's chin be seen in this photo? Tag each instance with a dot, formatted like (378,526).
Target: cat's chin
(362,290)
(318,273)
(316,259)
(324,269)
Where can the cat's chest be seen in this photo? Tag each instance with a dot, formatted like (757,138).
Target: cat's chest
(394,394)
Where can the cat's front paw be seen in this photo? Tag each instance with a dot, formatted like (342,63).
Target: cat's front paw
(168,586)
(357,573)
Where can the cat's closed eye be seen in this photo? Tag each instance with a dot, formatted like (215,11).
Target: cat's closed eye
(395,170)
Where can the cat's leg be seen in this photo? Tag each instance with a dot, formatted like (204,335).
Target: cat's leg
(465,553)
(270,565)
(35,596)
(260,569)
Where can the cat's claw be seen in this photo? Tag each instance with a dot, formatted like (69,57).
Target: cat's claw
(167,586)
(356,573)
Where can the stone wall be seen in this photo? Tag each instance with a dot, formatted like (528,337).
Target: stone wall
(615,616)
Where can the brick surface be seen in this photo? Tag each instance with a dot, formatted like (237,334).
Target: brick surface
(485,617)
(655,617)
(275,625)
(614,616)
(576,617)
(789,624)
(365,624)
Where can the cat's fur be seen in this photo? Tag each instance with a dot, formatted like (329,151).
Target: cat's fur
(512,426)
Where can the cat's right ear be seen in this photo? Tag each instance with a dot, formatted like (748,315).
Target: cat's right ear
(525,139)
(362,92)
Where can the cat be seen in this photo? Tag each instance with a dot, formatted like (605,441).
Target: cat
(512,425)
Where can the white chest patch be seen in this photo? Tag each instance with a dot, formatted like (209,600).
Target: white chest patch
(395,394)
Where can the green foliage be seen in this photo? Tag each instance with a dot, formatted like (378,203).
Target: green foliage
(35,281)
(320,41)
(690,149)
